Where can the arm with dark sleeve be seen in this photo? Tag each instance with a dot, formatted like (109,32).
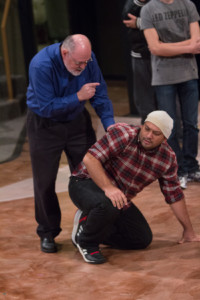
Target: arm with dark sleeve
(130,7)
(131,14)
(42,88)
(101,102)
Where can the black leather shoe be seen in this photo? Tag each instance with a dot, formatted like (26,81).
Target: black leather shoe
(48,245)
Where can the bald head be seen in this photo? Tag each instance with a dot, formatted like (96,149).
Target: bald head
(76,51)
(77,42)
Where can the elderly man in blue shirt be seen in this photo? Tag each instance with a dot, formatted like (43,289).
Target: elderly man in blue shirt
(62,78)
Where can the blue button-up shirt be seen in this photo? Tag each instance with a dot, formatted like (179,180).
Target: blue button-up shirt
(52,90)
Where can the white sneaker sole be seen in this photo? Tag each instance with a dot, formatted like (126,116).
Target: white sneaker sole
(81,252)
(87,260)
(75,226)
(184,187)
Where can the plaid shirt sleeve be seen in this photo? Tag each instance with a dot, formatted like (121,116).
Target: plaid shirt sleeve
(169,183)
(111,144)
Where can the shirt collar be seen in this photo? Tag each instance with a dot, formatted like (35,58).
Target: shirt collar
(58,57)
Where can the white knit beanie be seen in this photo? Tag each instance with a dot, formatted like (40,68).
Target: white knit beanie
(162,120)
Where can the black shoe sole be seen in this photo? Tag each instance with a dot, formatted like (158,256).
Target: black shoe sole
(49,250)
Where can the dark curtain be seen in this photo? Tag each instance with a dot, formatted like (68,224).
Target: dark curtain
(27,31)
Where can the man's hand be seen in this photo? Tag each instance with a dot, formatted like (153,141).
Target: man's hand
(99,176)
(189,237)
(116,196)
(110,127)
(132,22)
(87,91)
(180,211)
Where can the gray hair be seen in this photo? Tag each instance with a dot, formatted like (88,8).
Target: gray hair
(69,43)
(72,41)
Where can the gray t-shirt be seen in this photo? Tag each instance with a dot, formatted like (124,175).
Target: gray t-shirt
(172,23)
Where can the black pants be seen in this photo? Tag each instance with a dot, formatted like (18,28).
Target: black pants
(47,140)
(123,229)
(143,92)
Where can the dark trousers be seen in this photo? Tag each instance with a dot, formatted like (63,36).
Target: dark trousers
(47,140)
(105,224)
(143,93)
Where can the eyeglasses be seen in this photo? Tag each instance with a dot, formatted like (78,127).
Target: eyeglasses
(79,63)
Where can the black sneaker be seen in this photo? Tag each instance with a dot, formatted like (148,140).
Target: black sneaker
(92,255)
(79,221)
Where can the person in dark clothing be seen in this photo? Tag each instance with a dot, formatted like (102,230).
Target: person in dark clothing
(143,93)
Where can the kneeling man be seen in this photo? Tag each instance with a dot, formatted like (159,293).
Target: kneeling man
(114,170)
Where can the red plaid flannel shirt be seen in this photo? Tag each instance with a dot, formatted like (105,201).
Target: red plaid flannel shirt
(131,167)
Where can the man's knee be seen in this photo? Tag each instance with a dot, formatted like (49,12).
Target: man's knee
(141,241)
(147,239)
(110,212)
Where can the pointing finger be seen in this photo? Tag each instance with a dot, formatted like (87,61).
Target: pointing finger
(93,84)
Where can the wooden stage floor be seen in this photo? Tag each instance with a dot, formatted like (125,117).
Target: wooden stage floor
(164,271)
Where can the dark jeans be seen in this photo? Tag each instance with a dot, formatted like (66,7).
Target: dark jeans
(188,97)
(124,229)
(47,140)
